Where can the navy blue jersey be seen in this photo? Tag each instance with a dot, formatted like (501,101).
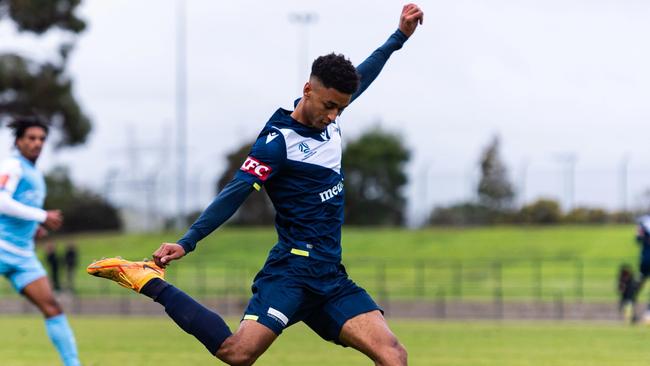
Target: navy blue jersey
(300,168)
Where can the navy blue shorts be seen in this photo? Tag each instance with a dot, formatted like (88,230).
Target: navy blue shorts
(292,288)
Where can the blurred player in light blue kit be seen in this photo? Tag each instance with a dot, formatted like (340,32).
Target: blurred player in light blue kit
(22,192)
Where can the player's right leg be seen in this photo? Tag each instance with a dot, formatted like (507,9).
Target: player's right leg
(370,334)
(28,277)
(241,348)
(246,345)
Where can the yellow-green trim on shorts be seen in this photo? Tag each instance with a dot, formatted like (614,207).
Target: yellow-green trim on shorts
(303,253)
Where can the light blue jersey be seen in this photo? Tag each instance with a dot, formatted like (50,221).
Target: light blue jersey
(26,185)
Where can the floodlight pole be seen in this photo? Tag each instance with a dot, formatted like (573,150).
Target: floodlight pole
(522,181)
(181,115)
(569,162)
(303,20)
(625,161)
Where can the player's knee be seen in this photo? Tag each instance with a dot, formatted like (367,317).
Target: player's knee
(240,359)
(402,354)
(51,307)
(236,355)
(393,353)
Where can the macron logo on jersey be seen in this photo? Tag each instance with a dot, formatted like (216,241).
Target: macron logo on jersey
(271,136)
(256,168)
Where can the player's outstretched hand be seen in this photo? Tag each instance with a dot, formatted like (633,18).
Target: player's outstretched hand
(53,220)
(411,16)
(167,253)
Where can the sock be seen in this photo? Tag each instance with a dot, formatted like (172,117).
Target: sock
(153,288)
(62,337)
(195,319)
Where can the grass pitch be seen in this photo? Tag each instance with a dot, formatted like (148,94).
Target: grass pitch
(157,341)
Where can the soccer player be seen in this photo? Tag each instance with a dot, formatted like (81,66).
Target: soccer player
(297,157)
(643,239)
(22,192)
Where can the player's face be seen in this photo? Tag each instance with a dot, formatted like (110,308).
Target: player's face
(31,143)
(323,105)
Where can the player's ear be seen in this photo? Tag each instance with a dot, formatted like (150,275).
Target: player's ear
(306,90)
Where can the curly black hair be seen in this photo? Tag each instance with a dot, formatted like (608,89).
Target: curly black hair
(335,71)
(20,124)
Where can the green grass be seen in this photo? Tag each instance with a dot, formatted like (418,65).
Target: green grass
(157,341)
(523,263)
(250,245)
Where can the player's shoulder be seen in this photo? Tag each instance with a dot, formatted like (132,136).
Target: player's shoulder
(11,164)
(277,129)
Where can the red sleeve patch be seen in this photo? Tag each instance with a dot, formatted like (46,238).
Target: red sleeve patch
(3,180)
(255,167)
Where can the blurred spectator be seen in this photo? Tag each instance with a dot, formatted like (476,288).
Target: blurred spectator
(627,287)
(52,261)
(71,259)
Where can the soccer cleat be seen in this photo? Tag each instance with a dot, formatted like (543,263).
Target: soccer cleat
(133,275)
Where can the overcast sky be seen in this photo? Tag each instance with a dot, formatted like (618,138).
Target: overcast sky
(556,80)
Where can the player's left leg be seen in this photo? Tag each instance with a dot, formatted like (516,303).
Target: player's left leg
(370,334)
(350,317)
(40,293)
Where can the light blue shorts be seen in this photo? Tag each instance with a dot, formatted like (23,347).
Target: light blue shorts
(21,271)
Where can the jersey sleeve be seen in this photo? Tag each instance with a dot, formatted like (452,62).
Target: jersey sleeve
(370,68)
(265,160)
(10,174)
(220,210)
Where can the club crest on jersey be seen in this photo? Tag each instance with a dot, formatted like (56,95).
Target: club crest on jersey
(256,168)
(305,149)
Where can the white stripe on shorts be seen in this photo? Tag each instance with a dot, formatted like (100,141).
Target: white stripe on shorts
(15,250)
(277,314)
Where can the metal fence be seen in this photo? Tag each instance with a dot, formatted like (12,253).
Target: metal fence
(515,280)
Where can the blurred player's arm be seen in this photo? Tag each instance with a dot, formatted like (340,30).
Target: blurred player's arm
(10,174)
(13,208)
(370,68)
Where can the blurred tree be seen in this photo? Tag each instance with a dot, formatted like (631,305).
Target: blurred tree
(257,209)
(39,16)
(542,211)
(83,210)
(494,189)
(586,215)
(27,87)
(462,214)
(374,177)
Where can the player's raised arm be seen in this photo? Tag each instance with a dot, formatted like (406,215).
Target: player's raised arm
(370,68)
(411,16)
